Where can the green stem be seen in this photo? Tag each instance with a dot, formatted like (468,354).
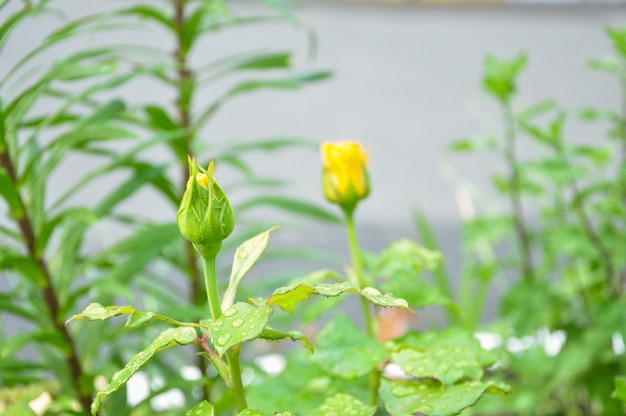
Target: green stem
(212,292)
(370,324)
(232,355)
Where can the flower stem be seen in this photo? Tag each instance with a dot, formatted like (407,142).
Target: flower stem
(210,282)
(232,355)
(370,324)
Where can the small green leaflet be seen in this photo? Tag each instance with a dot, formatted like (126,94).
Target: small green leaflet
(246,256)
(166,339)
(287,297)
(344,351)
(136,318)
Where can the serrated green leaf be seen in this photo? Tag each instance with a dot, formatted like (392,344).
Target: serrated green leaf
(386,300)
(344,405)
(407,256)
(288,297)
(446,364)
(344,351)
(241,322)
(430,398)
(246,256)
(454,337)
(272,334)
(166,339)
(138,319)
(203,408)
(95,311)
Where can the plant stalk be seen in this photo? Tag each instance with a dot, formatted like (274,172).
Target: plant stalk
(370,324)
(517,209)
(47,291)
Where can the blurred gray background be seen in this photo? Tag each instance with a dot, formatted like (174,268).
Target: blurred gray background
(406,83)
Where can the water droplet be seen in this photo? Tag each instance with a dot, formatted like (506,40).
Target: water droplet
(237,323)
(223,339)
(230,312)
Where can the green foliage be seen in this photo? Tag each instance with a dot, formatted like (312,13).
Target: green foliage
(343,351)
(561,240)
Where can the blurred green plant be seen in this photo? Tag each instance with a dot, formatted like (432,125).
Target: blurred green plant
(49,269)
(561,329)
(440,373)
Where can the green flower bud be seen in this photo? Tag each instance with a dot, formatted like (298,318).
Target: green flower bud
(205,216)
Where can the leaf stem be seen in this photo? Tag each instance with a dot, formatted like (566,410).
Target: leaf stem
(370,324)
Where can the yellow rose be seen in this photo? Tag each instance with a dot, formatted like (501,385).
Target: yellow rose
(205,216)
(344,178)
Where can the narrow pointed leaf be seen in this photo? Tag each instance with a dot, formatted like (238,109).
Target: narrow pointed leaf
(272,334)
(246,256)
(166,339)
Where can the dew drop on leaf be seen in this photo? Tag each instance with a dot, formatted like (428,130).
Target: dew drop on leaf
(230,312)
(223,339)
(237,323)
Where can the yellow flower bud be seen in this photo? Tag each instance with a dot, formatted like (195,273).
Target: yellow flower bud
(344,177)
(205,216)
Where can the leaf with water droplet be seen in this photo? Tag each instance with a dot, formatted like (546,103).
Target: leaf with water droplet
(243,322)
(246,256)
(344,351)
(386,301)
(203,408)
(166,339)
(436,399)
(344,405)
(288,297)
(251,412)
(95,311)
(272,334)
(448,356)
